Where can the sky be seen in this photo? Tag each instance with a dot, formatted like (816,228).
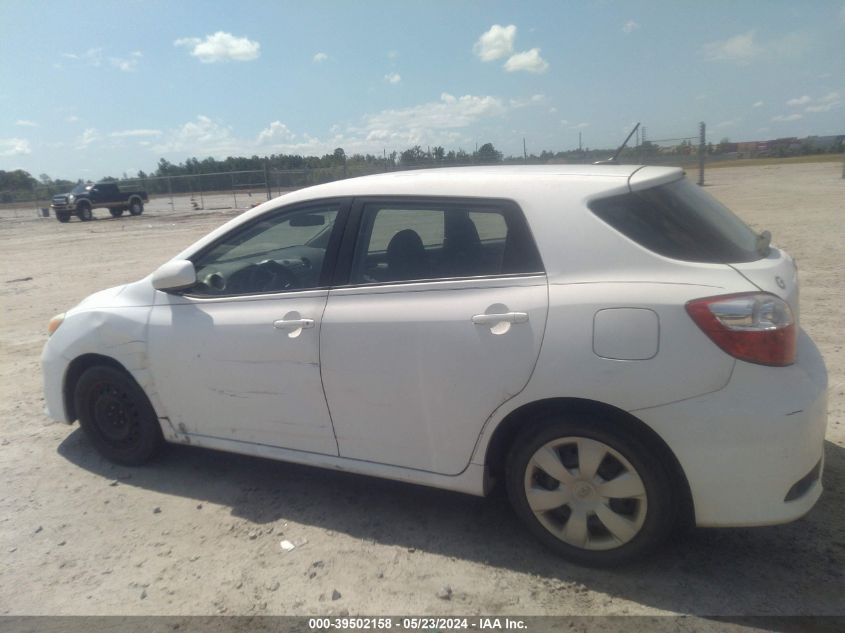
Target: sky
(94,88)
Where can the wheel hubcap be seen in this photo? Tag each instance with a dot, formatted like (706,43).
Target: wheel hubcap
(585,493)
(115,415)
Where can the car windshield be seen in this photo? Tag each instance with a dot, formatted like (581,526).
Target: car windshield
(81,188)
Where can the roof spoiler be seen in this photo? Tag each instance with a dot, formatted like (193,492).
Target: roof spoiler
(612,159)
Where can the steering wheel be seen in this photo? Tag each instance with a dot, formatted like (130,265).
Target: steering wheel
(266,276)
(270,276)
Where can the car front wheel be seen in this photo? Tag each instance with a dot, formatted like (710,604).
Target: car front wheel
(594,493)
(116,416)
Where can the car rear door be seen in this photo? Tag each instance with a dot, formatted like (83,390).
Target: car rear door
(438,319)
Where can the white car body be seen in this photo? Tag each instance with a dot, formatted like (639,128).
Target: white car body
(396,380)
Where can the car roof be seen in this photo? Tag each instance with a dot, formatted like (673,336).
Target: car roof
(492,180)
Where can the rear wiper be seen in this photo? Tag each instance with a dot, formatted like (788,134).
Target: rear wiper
(764,239)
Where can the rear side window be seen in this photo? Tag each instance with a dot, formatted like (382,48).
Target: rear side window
(681,221)
(410,241)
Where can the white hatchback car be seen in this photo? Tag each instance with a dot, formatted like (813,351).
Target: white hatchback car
(610,340)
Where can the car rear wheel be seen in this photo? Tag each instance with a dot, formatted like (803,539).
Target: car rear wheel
(84,212)
(116,213)
(116,416)
(594,493)
(136,207)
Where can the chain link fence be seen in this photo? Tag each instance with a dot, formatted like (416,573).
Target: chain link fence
(239,190)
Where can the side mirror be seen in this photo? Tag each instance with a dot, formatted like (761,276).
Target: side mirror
(176,275)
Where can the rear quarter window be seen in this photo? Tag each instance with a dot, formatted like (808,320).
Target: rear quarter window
(681,221)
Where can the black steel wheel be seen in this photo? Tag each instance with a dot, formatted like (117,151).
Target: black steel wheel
(116,415)
(84,212)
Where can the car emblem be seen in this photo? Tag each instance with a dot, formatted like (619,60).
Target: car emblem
(781,283)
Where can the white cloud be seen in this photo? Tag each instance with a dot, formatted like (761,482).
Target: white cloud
(739,48)
(787,117)
(758,104)
(221,47)
(203,137)
(495,43)
(319,58)
(746,47)
(126,64)
(521,102)
(26,123)
(391,55)
(277,131)
(440,122)
(135,133)
(829,102)
(89,136)
(14,147)
(393,78)
(724,124)
(528,61)
(630,26)
(91,57)
(72,118)
(414,124)
(799,101)
(579,126)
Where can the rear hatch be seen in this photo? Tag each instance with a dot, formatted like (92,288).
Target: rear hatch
(675,218)
(775,273)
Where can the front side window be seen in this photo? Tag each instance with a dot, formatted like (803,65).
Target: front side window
(410,242)
(278,253)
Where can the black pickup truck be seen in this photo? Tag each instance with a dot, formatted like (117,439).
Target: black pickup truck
(84,198)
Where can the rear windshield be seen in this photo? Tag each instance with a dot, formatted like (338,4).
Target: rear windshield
(681,221)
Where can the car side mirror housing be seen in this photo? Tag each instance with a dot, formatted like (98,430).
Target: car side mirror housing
(175,275)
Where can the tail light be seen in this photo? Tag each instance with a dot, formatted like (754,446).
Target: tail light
(757,327)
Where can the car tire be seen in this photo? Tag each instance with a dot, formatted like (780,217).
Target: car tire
(136,207)
(116,416)
(116,213)
(84,212)
(63,217)
(591,490)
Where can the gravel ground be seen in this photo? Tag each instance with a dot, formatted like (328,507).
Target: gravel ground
(199,532)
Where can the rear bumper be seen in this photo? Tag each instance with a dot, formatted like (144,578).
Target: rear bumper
(753,451)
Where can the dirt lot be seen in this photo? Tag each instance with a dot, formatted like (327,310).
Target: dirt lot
(198,532)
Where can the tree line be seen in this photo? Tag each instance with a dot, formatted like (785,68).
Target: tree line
(293,170)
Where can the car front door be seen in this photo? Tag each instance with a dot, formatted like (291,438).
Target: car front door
(439,322)
(237,355)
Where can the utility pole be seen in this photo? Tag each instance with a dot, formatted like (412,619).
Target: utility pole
(701,151)
(524,151)
(579,141)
